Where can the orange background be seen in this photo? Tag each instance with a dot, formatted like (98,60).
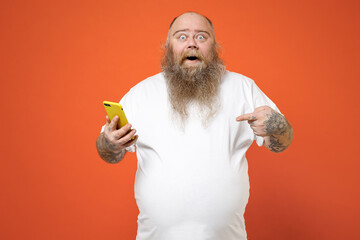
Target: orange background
(61,59)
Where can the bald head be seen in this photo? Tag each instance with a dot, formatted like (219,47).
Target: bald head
(209,21)
(190,17)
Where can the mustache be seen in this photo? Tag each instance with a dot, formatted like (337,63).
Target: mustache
(192,55)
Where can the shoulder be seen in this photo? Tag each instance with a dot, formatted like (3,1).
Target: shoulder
(236,80)
(156,81)
(150,87)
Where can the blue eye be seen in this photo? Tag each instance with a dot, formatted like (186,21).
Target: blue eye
(201,37)
(182,37)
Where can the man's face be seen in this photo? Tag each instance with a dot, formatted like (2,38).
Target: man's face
(191,39)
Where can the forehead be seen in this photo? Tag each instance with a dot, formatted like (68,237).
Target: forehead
(191,22)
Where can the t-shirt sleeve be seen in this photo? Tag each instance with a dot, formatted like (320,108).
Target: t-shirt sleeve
(260,99)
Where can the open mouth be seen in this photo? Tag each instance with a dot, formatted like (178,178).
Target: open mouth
(192,58)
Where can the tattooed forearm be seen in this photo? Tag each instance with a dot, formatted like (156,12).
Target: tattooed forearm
(276,124)
(275,145)
(280,132)
(108,151)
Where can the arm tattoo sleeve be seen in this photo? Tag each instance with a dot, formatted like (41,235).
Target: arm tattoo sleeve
(280,132)
(107,150)
(276,124)
(275,145)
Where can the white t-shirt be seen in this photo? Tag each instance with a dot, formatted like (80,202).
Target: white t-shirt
(192,183)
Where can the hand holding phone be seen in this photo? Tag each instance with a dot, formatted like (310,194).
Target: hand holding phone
(120,130)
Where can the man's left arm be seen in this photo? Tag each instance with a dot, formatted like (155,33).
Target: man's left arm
(272,126)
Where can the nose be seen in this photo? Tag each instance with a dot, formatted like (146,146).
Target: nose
(192,44)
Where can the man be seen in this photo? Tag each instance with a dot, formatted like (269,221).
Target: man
(192,178)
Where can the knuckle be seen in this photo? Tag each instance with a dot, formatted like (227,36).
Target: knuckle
(107,135)
(115,136)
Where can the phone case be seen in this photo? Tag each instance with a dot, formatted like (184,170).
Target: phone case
(115,109)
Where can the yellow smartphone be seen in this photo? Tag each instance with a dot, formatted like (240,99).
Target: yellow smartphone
(115,109)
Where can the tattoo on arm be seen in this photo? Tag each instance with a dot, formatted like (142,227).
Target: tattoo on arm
(276,124)
(275,145)
(280,130)
(108,151)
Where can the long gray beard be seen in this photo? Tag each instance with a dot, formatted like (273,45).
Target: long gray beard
(197,87)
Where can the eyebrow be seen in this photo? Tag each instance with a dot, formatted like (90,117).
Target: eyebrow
(186,30)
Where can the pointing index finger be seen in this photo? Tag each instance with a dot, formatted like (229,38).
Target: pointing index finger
(246,117)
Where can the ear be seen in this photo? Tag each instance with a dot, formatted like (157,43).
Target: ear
(167,43)
(164,46)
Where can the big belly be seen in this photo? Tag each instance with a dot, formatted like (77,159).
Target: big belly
(214,198)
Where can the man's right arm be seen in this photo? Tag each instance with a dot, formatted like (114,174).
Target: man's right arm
(112,143)
(108,151)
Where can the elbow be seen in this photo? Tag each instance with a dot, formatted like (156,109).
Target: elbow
(277,149)
(275,145)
